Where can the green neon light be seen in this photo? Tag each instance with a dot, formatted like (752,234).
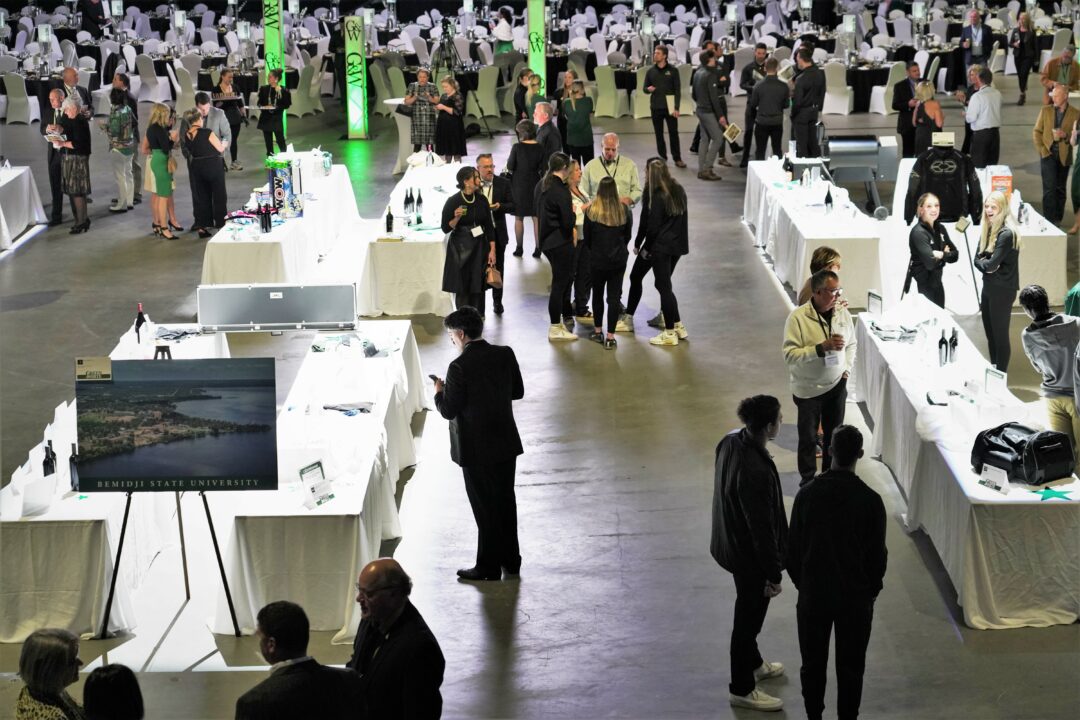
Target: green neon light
(274,43)
(537,41)
(356,100)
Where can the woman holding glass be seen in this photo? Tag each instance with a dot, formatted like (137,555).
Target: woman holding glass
(422,97)
(470,248)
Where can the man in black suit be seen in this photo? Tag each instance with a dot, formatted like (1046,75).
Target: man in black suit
(73,88)
(807,99)
(903,102)
(298,686)
(397,657)
(547,134)
(52,120)
(500,199)
(477,398)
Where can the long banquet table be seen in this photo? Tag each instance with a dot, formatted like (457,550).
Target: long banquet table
(1014,559)
(20,204)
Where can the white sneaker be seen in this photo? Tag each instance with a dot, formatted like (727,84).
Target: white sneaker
(559,333)
(625,323)
(680,330)
(757,700)
(236,166)
(768,670)
(658,321)
(667,337)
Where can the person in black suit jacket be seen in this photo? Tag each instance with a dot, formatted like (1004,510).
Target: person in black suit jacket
(93,17)
(977,40)
(903,102)
(397,657)
(52,119)
(806,101)
(298,686)
(547,134)
(477,398)
(72,88)
(274,100)
(500,197)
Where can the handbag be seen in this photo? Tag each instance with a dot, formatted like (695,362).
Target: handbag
(403,109)
(171,164)
(492,277)
(1028,456)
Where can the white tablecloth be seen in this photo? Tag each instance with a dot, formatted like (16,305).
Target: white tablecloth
(20,204)
(291,252)
(1013,559)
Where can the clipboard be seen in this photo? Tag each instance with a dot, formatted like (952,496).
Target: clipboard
(732,133)
(670,104)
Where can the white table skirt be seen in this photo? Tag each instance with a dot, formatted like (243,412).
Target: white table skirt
(20,204)
(1013,559)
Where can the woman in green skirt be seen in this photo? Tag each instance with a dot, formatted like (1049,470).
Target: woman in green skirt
(504,31)
(160,138)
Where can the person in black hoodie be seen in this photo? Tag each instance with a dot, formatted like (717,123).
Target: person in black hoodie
(998,260)
(607,235)
(749,540)
(930,250)
(836,557)
(557,240)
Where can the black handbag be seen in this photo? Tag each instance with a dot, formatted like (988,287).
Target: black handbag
(1033,457)
(403,109)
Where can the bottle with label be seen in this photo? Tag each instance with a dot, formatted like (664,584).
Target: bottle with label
(48,467)
(408,202)
(73,467)
(389,220)
(140,320)
(828,200)
(419,207)
(954,340)
(943,349)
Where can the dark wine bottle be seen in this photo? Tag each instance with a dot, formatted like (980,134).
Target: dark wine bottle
(408,202)
(48,467)
(419,206)
(943,350)
(954,340)
(389,220)
(789,168)
(828,199)
(73,467)
(140,320)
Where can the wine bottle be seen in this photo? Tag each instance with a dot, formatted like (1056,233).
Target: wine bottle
(419,206)
(943,349)
(408,202)
(389,220)
(789,168)
(48,467)
(140,320)
(73,467)
(954,340)
(828,200)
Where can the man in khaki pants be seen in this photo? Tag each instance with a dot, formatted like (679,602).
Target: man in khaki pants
(1050,343)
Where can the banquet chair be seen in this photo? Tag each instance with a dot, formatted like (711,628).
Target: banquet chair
(881,96)
(877,54)
(199,8)
(461,44)
(507,103)
(208,35)
(89,63)
(577,31)
(782,53)
(19,107)
(743,57)
(84,79)
(902,30)
(210,47)
(420,47)
(881,24)
(678,28)
(660,29)
(820,55)
(152,45)
(696,36)
(484,95)
(894,14)
(67,50)
(615,57)
(20,41)
(208,19)
(152,88)
(232,42)
(719,30)
(931,73)
(184,85)
(396,79)
(610,101)
(382,88)
(83,36)
(637,49)
(599,46)
(311,23)
(686,100)
(880,40)
(839,97)
(301,103)
(680,48)
(579,43)
(639,101)
(939,27)
(142,28)
(922,59)
(192,62)
(9,63)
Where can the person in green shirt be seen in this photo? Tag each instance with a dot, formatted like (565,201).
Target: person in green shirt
(120,128)
(578,110)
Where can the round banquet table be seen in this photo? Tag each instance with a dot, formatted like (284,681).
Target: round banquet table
(861,80)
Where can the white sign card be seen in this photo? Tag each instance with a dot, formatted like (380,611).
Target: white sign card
(918,10)
(180,19)
(995,478)
(243,30)
(807,5)
(732,8)
(873,303)
(294,7)
(849,24)
(639,5)
(995,383)
(647,25)
(44,34)
(467,5)
(117,8)
(317,489)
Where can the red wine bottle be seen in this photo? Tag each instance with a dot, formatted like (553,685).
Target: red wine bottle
(140,320)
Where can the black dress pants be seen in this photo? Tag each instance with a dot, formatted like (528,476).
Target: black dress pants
(269,136)
(234,147)
(1054,178)
(1023,68)
(851,621)
(697,139)
(750,133)
(56,183)
(642,266)
(996,308)
(806,142)
(773,134)
(931,287)
(581,153)
(907,141)
(491,494)
(208,196)
(611,280)
(582,279)
(562,271)
(985,147)
(663,266)
(750,608)
(659,118)
(966,147)
(826,410)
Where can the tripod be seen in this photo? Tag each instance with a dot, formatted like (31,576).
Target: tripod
(447,56)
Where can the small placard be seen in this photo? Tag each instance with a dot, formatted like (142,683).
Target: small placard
(873,303)
(180,19)
(995,478)
(995,382)
(294,7)
(962,224)
(849,24)
(317,489)
(943,139)
(93,369)
(117,8)
(732,9)
(732,133)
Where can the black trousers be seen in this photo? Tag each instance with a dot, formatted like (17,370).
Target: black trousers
(1023,68)
(582,279)
(491,494)
(1054,178)
(826,410)
(851,621)
(640,269)
(208,196)
(750,608)
(751,137)
(659,118)
(608,279)
(269,136)
(806,143)
(663,266)
(966,147)
(996,308)
(475,300)
(932,289)
(234,147)
(500,262)
(562,272)
(581,153)
(56,183)
(774,134)
(907,141)
(985,147)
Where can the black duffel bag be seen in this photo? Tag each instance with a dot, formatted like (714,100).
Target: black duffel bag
(1034,457)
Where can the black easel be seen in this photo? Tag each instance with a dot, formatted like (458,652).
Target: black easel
(448,55)
(971,266)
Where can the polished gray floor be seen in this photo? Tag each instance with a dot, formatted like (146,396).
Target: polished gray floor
(620,611)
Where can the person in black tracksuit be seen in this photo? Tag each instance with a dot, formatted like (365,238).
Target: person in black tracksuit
(607,241)
(930,249)
(836,557)
(767,101)
(998,261)
(661,83)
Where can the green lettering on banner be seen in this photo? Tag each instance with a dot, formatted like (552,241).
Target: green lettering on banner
(537,41)
(356,100)
(274,42)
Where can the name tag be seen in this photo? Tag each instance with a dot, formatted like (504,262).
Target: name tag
(832,358)
(477,230)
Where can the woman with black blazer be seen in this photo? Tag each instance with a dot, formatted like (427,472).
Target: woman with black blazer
(557,239)
(1025,51)
(521,108)
(930,250)
(998,261)
(75,172)
(662,238)
(470,247)
(274,100)
(607,236)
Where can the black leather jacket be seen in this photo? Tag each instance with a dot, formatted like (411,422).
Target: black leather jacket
(949,174)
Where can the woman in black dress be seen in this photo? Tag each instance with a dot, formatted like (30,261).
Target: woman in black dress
(521,110)
(998,260)
(274,100)
(207,174)
(1025,51)
(928,118)
(228,99)
(524,162)
(450,122)
(75,171)
(557,223)
(470,247)
(930,249)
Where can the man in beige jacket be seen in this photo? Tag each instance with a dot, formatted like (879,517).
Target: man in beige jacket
(1051,134)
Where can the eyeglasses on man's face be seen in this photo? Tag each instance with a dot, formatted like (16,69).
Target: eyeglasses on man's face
(369,594)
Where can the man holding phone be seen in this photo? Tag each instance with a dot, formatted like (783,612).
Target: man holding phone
(477,398)
(819,349)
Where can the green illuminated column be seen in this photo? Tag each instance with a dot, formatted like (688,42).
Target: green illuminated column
(537,40)
(356,99)
(274,41)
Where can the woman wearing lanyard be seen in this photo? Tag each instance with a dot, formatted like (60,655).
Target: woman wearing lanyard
(466,218)
(557,221)
(998,260)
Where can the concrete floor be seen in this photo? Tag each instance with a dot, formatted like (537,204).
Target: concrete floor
(620,611)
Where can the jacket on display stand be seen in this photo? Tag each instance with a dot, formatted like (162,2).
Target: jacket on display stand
(949,174)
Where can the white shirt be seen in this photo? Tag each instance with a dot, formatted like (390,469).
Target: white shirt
(503,31)
(286,663)
(984,109)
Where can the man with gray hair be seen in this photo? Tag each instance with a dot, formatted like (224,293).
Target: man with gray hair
(619,168)
(1061,70)
(547,135)
(984,115)
(52,123)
